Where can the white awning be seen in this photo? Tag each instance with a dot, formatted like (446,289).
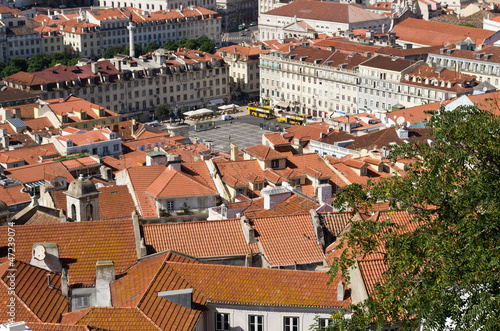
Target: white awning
(282,104)
(201,111)
(228,107)
(216,101)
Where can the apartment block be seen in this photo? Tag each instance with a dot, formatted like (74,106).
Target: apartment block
(243,69)
(313,81)
(303,18)
(152,5)
(125,85)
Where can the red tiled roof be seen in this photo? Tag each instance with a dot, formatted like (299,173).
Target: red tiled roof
(243,50)
(388,63)
(435,33)
(42,218)
(416,114)
(276,139)
(23,312)
(13,195)
(173,183)
(240,173)
(31,287)
(140,179)
(260,286)
(199,239)
(110,318)
(81,245)
(336,222)
(286,240)
(262,152)
(55,327)
(294,205)
(325,11)
(372,272)
(30,155)
(40,171)
(128,290)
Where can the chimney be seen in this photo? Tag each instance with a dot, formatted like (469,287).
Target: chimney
(4,139)
(119,65)
(402,132)
(318,228)
(95,67)
(340,291)
(104,275)
(49,284)
(248,231)
(46,256)
(64,282)
(234,152)
(140,248)
(274,195)
(325,194)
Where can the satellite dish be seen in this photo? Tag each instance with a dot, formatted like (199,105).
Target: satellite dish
(400,120)
(40,252)
(395,116)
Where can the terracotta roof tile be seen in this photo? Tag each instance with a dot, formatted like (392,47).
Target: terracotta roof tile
(40,171)
(435,33)
(325,11)
(384,137)
(127,291)
(55,327)
(260,286)
(240,173)
(372,272)
(13,195)
(42,218)
(262,152)
(416,114)
(294,205)
(23,312)
(336,222)
(198,239)
(81,245)
(286,240)
(388,63)
(173,183)
(31,287)
(141,178)
(110,318)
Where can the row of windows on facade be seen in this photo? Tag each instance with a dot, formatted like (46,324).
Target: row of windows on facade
(159,7)
(256,322)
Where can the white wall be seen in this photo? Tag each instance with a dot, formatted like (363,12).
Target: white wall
(273,316)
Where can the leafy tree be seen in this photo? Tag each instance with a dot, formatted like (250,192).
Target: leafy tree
(208,46)
(162,111)
(170,45)
(74,61)
(112,51)
(137,48)
(9,70)
(20,63)
(151,47)
(447,267)
(191,44)
(2,66)
(358,321)
(182,42)
(59,58)
(39,62)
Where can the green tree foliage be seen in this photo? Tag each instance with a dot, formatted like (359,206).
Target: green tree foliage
(447,267)
(358,321)
(162,111)
(151,47)
(20,63)
(170,45)
(2,66)
(59,58)
(9,70)
(39,62)
(112,51)
(182,42)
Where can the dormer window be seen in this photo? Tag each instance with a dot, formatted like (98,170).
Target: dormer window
(362,171)
(275,164)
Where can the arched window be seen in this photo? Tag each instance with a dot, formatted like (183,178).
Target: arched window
(73,212)
(90,210)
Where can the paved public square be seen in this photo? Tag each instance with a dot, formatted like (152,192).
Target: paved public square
(237,132)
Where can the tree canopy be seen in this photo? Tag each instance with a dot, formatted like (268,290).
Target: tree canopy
(112,51)
(162,111)
(37,62)
(151,47)
(446,269)
(202,43)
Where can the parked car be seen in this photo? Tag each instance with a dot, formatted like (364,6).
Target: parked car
(253,23)
(243,33)
(226,117)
